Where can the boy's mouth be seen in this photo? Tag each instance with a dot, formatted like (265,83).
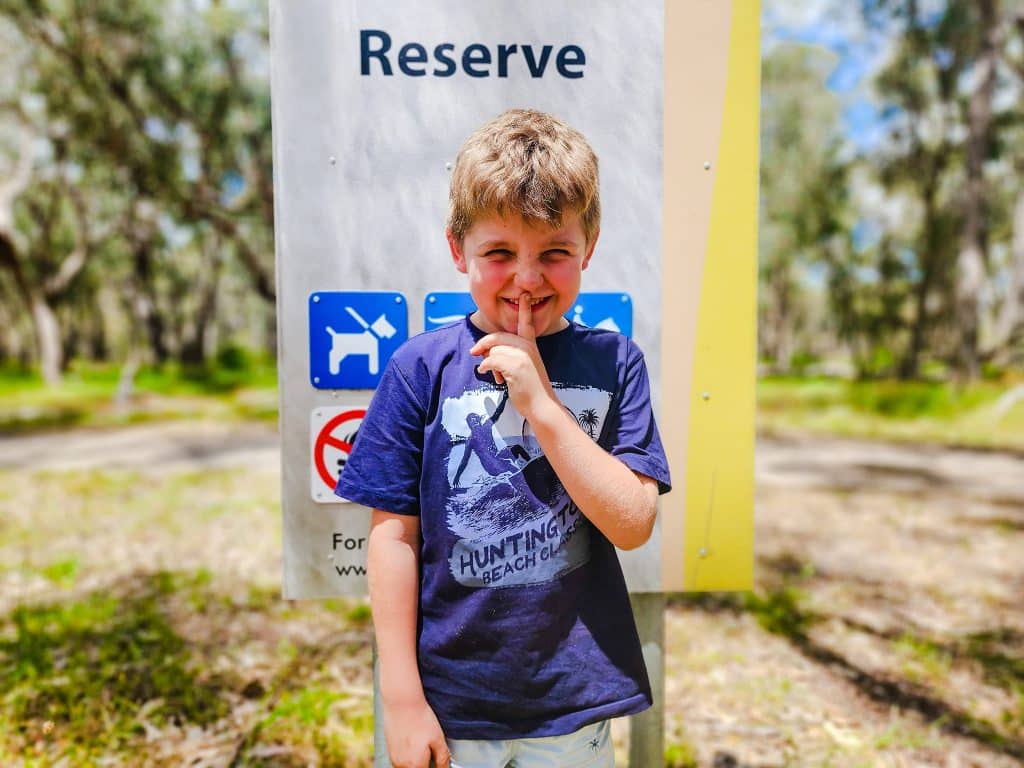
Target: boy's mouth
(534,303)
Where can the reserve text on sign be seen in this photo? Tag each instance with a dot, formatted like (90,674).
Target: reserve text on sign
(476,59)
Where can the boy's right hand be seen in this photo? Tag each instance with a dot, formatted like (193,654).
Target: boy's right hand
(515,361)
(414,736)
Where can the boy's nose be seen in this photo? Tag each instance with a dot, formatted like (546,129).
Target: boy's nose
(529,277)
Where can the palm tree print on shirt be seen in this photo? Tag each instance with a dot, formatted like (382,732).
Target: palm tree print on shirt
(588,420)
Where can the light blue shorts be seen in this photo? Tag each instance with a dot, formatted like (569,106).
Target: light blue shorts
(589,747)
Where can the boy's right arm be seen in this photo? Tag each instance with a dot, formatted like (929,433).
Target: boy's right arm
(413,733)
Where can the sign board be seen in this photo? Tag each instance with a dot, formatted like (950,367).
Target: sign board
(332,431)
(352,335)
(612,311)
(371,102)
(443,307)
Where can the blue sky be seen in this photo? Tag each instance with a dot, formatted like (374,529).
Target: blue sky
(838,26)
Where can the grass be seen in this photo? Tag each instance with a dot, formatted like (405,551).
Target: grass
(924,661)
(242,387)
(77,673)
(141,618)
(932,412)
(139,610)
(680,755)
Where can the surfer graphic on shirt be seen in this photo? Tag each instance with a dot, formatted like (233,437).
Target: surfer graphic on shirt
(516,522)
(482,444)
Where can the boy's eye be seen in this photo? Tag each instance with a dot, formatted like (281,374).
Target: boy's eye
(555,254)
(498,253)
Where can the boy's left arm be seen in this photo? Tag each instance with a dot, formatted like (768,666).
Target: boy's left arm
(620,502)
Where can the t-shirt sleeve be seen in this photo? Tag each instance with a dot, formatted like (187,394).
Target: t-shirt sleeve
(632,434)
(383,470)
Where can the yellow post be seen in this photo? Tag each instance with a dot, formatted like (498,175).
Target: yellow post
(710,301)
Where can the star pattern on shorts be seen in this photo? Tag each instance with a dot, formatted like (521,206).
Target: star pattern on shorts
(595,744)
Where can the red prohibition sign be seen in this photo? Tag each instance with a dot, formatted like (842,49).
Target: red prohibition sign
(326,438)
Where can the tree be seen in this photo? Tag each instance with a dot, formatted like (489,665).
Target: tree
(802,187)
(44,268)
(589,420)
(945,93)
(166,101)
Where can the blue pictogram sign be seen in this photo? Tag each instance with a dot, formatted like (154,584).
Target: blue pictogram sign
(352,335)
(610,311)
(443,307)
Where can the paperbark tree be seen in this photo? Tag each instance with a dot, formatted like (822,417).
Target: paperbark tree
(43,270)
(802,186)
(971,270)
(169,98)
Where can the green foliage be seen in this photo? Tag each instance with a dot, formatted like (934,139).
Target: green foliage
(871,250)
(680,756)
(802,189)
(62,572)
(156,119)
(359,613)
(926,661)
(87,395)
(779,612)
(1000,654)
(306,707)
(905,400)
(233,357)
(922,411)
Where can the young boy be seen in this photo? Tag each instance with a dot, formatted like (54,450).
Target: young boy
(505,457)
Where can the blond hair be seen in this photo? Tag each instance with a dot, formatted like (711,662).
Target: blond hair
(528,163)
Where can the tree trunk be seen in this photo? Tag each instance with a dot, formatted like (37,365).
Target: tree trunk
(1010,326)
(194,349)
(971,262)
(45,327)
(910,367)
(48,341)
(144,302)
(782,316)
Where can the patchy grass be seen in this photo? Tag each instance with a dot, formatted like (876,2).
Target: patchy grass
(166,641)
(62,572)
(882,629)
(77,673)
(925,662)
(141,624)
(319,725)
(680,755)
(935,412)
(237,386)
(240,385)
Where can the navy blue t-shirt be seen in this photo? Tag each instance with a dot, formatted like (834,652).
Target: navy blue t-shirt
(525,627)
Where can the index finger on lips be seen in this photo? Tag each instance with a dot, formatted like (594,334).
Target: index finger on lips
(526,329)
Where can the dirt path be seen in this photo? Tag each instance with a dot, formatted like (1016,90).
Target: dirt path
(860,465)
(160,447)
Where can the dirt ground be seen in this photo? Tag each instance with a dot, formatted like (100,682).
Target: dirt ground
(886,627)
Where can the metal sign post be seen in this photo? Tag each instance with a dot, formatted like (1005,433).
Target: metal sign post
(370,104)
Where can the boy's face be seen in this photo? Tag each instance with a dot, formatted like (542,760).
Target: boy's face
(506,257)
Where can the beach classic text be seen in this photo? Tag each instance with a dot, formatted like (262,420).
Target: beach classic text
(475,60)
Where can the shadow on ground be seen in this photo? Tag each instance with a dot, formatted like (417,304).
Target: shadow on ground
(83,669)
(101,673)
(998,654)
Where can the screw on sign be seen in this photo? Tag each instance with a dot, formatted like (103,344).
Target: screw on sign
(339,434)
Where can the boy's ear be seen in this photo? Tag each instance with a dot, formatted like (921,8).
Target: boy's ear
(590,250)
(458,256)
